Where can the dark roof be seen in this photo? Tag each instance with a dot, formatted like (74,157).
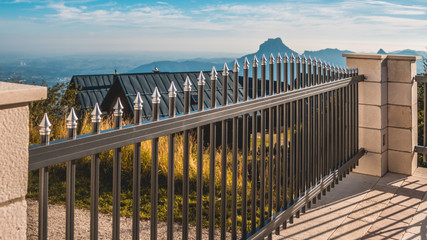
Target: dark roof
(92,88)
(144,83)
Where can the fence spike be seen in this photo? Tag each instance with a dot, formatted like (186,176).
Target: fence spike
(271,60)
(201,79)
(292,59)
(96,114)
(172,90)
(45,125)
(214,74)
(236,66)
(187,84)
(314,61)
(279,58)
(225,70)
(255,62)
(263,60)
(156,96)
(285,58)
(72,119)
(303,59)
(138,102)
(298,59)
(309,60)
(246,63)
(118,108)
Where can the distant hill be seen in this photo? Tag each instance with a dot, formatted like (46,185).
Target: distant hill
(333,56)
(272,45)
(408,52)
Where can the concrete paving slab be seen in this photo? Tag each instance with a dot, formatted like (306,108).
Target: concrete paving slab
(351,229)
(399,213)
(367,211)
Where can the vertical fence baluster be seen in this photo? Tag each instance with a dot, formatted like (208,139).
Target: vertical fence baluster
(212,136)
(234,154)
(329,125)
(245,151)
(279,109)
(298,135)
(154,166)
(285,138)
(43,180)
(270,139)
(71,179)
(171,165)
(118,112)
(225,74)
(263,153)
(316,111)
(199,184)
(293,147)
(303,131)
(254,146)
(325,125)
(94,176)
(310,135)
(186,164)
(137,120)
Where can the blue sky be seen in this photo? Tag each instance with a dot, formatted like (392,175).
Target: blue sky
(233,27)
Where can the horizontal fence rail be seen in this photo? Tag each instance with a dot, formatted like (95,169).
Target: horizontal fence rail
(296,136)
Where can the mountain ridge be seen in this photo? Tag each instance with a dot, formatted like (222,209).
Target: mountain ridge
(271,45)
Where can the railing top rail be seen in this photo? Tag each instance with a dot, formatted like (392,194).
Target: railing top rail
(421,78)
(64,150)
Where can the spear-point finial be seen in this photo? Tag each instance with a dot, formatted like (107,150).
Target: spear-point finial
(225,70)
(72,119)
(314,61)
(137,102)
(304,59)
(187,84)
(271,60)
(292,58)
(156,96)
(328,65)
(172,90)
(298,60)
(236,66)
(263,60)
(118,108)
(45,125)
(214,74)
(286,58)
(96,114)
(255,62)
(246,63)
(201,79)
(279,58)
(309,61)
(324,63)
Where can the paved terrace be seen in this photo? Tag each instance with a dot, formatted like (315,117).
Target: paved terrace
(367,207)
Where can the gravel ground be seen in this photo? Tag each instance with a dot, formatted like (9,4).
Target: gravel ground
(56,225)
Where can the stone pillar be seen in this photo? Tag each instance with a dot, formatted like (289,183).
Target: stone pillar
(14,135)
(387,113)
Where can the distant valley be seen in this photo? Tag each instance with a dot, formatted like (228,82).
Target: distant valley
(52,69)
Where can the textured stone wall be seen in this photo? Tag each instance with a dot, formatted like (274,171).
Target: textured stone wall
(13,170)
(14,131)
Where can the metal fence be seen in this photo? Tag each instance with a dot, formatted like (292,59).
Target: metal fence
(421,147)
(309,115)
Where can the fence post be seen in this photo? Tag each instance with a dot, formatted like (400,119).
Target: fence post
(387,112)
(14,132)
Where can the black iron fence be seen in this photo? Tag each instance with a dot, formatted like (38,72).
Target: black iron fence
(422,135)
(309,115)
